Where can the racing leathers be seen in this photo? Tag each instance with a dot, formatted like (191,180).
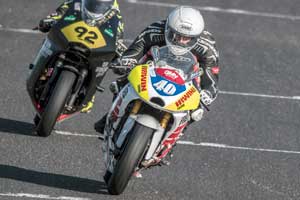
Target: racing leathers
(205,51)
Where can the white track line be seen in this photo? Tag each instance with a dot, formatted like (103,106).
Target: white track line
(217,9)
(224,146)
(65,133)
(18,30)
(40,196)
(261,95)
(22,30)
(204,144)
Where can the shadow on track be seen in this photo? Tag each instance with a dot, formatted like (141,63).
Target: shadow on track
(53,180)
(16,127)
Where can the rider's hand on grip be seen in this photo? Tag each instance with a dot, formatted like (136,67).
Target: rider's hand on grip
(206,97)
(126,62)
(46,24)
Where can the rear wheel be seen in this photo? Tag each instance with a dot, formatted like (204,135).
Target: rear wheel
(56,103)
(129,159)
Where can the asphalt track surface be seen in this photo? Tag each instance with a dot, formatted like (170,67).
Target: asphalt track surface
(247,147)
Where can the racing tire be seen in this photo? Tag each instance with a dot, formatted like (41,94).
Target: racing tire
(56,103)
(130,158)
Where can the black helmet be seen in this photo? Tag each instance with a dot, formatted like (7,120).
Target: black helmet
(95,9)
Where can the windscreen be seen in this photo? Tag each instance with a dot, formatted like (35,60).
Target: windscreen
(184,64)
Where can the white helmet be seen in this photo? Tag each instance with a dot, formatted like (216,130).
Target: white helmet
(183,28)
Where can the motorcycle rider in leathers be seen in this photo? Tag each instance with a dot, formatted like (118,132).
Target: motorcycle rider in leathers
(95,9)
(183,31)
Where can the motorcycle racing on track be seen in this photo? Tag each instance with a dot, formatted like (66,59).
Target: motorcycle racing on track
(72,61)
(149,115)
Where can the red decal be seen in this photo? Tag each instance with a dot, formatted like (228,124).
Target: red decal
(197,79)
(38,107)
(171,140)
(170,75)
(215,70)
(62,117)
(115,112)
(144,79)
(185,97)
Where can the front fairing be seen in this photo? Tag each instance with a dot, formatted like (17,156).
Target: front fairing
(164,88)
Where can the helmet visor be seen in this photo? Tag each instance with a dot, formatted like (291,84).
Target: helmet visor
(95,9)
(177,39)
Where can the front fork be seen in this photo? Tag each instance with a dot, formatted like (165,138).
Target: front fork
(82,75)
(108,148)
(136,107)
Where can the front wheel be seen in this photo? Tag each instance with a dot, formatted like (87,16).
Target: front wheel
(56,103)
(130,158)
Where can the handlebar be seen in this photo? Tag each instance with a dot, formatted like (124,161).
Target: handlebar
(118,67)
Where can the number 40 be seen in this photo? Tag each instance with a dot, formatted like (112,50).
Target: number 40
(166,87)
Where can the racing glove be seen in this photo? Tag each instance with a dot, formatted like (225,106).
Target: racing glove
(206,97)
(126,62)
(46,24)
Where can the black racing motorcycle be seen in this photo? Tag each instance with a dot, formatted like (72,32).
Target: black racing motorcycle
(73,58)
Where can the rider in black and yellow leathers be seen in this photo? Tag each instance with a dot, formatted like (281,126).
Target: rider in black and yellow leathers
(96,10)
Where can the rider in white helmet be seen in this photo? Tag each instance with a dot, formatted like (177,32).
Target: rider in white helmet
(183,28)
(183,31)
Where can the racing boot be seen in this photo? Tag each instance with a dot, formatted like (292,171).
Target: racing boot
(115,89)
(88,107)
(100,125)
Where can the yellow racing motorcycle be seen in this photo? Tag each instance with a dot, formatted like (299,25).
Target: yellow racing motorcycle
(148,115)
(75,53)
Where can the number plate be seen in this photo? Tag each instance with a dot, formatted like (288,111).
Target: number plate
(82,33)
(165,87)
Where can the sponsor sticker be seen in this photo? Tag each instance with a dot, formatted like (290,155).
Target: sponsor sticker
(109,32)
(170,75)
(185,97)
(186,27)
(144,75)
(70,18)
(46,49)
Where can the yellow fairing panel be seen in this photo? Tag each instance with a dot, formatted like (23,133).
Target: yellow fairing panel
(138,78)
(85,34)
(188,100)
